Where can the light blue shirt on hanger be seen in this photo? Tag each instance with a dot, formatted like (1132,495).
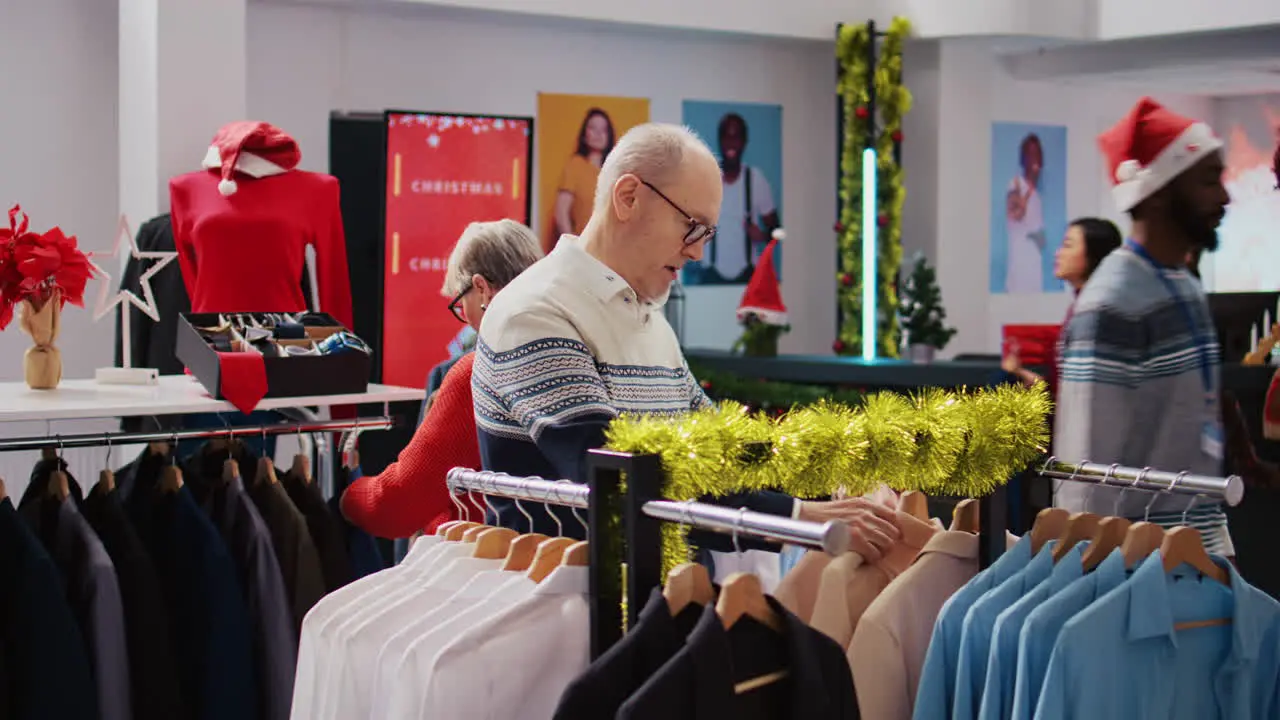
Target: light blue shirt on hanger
(938,676)
(1002,657)
(975,639)
(1123,657)
(1040,629)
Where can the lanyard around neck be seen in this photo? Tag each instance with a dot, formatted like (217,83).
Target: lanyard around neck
(1201,341)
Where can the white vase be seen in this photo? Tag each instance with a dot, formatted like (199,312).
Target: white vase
(921,354)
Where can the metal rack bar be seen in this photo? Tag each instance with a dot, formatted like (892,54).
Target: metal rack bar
(122,438)
(1229,489)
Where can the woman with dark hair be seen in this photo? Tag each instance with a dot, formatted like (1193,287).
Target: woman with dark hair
(577,189)
(1087,241)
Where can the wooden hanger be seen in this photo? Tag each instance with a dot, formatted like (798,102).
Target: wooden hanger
(1080,527)
(230,470)
(547,558)
(59,485)
(520,553)
(266,472)
(1142,539)
(1049,524)
(3,492)
(1109,536)
(106,481)
(964,518)
(577,555)
(158,448)
(474,531)
(688,584)
(741,594)
(171,479)
(301,468)
(456,531)
(1183,545)
(493,543)
(915,504)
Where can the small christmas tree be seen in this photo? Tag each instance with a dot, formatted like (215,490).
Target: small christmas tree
(921,309)
(761,313)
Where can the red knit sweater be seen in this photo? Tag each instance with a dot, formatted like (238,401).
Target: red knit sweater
(410,494)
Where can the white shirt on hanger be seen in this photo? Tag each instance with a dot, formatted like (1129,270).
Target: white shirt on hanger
(471,592)
(358,652)
(338,632)
(405,691)
(517,663)
(305,688)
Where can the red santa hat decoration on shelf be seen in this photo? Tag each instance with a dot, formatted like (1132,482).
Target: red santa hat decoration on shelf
(763,296)
(257,149)
(1150,147)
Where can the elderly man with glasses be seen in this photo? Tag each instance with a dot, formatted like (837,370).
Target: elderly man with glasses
(580,337)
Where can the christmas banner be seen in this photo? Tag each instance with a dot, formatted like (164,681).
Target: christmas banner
(443,172)
(575,135)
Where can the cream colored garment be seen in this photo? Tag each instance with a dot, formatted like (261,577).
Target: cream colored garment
(849,585)
(798,590)
(889,644)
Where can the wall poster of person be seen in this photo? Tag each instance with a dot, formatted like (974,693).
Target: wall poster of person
(747,139)
(574,135)
(1028,206)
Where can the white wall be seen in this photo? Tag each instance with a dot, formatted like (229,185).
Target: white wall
(974,91)
(1145,18)
(309,60)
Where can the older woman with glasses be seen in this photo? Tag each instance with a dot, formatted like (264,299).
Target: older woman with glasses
(410,494)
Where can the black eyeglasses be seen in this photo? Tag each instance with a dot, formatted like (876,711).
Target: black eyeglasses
(697,230)
(455,306)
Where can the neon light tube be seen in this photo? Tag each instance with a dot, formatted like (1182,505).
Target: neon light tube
(869,224)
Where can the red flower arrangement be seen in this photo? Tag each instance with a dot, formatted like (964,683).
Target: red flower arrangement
(36,267)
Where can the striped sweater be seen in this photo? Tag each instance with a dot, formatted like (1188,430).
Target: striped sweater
(563,349)
(1131,390)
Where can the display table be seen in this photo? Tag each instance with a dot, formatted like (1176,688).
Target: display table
(174,395)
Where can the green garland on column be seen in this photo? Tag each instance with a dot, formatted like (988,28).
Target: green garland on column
(893,101)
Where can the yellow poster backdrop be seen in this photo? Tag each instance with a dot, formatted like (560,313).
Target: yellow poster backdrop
(574,134)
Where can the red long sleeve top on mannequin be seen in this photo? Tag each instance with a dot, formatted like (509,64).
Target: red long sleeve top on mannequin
(247,252)
(411,494)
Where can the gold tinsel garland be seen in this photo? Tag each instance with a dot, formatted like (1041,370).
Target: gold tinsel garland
(942,442)
(893,101)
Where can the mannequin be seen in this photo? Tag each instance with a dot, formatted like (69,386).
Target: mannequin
(241,227)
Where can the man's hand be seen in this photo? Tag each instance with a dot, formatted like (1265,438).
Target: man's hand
(874,527)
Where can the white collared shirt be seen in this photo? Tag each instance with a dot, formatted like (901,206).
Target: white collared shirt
(517,663)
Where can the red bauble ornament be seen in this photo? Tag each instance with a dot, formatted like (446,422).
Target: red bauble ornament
(839,227)
(897,136)
(838,346)
(882,220)
(706,385)
(846,279)
(862,113)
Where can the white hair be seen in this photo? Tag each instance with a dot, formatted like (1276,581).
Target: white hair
(653,152)
(497,250)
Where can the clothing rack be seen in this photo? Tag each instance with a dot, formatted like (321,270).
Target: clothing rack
(125,438)
(993,507)
(640,531)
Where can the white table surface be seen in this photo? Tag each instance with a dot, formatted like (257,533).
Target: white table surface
(175,395)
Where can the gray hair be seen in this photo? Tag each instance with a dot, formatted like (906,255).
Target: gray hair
(498,251)
(653,152)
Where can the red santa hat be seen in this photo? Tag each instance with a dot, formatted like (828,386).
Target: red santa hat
(763,296)
(257,149)
(1150,147)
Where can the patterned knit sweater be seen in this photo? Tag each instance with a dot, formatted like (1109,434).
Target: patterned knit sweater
(564,349)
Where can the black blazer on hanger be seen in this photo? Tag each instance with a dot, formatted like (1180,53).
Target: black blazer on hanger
(624,668)
(38,485)
(327,533)
(45,658)
(698,683)
(211,631)
(153,663)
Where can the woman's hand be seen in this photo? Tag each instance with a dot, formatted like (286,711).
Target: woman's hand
(874,527)
(1012,364)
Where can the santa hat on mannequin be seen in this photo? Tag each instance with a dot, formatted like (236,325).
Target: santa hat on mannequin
(1150,147)
(257,149)
(763,296)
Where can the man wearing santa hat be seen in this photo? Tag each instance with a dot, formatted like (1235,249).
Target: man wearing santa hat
(1140,362)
